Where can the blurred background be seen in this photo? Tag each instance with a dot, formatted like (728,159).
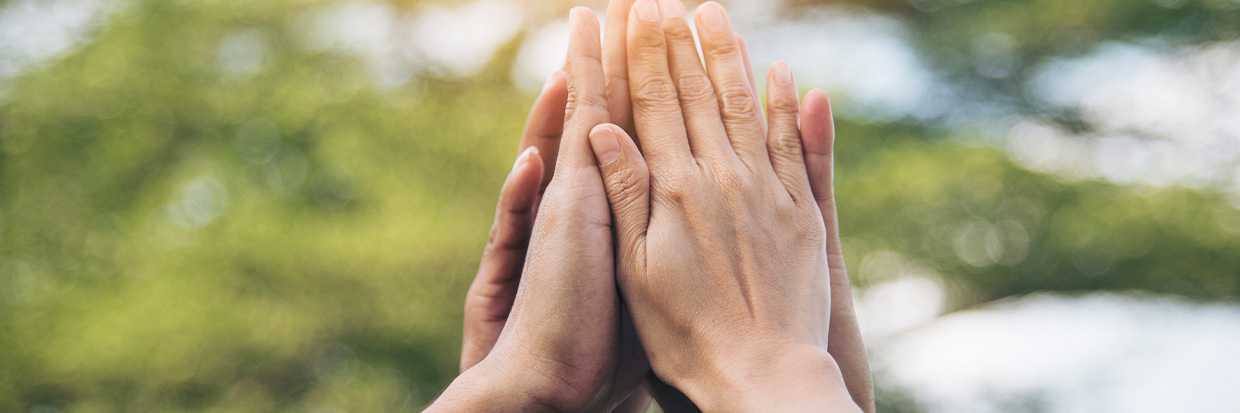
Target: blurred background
(231,205)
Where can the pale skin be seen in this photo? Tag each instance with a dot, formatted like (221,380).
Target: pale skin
(490,303)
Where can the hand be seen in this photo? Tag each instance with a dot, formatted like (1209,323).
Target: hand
(844,338)
(844,335)
(490,297)
(565,345)
(721,244)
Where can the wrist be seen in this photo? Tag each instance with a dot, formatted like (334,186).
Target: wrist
(490,386)
(791,377)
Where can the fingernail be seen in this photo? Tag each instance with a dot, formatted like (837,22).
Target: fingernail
(783,74)
(525,157)
(605,143)
(647,11)
(671,8)
(712,16)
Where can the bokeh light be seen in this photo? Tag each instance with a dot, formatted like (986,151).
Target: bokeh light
(233,205)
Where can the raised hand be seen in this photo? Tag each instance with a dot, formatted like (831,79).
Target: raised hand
(844,338)
(722,247)
(565,345)
(490,297)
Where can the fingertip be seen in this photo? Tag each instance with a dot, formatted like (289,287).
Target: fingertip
(671,8)
(527,163)
(712,15)
(579,12)
(817,95)
(781,73)
(521,186)
(817,127)
(711,5)
(605,142)
(582,18)
(533,158)
(646,10)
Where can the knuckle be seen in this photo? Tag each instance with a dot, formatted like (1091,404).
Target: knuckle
(673,190)
(628,184)
(648,40)
(737,102)
(724,49)
(493,237)
(811,230)
(783,105)
(729,180)
(786,145)
(616,79)
(676,198)
(677,32)
(580,101)
(696,88)
(653,92)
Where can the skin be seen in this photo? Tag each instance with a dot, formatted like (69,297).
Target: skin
(493,292)
(721,242)
(566,345)
(490,298)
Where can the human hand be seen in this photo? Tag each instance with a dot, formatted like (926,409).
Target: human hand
(844,338)
(491,295)
(721,245)
(565,345)
(490,298)
(844,334)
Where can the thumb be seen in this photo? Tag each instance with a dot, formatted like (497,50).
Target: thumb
(627,182)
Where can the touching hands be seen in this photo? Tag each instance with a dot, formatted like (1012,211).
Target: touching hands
(491,296)
(721,245)
(565,344)
(725,231)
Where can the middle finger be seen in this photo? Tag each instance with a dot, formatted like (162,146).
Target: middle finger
(740,109)
(700,108)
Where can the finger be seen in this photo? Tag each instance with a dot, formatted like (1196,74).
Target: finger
(844,337)
(545,123)
(739,107)
(493,290)
(587,98)
(616,65)
(656,110)
(749,73)
(700,108)
(784,140)
(818,138)
(626,180)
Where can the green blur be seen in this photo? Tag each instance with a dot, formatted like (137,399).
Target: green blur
(176,238)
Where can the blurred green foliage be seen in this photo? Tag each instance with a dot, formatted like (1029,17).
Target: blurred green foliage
(176,237)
